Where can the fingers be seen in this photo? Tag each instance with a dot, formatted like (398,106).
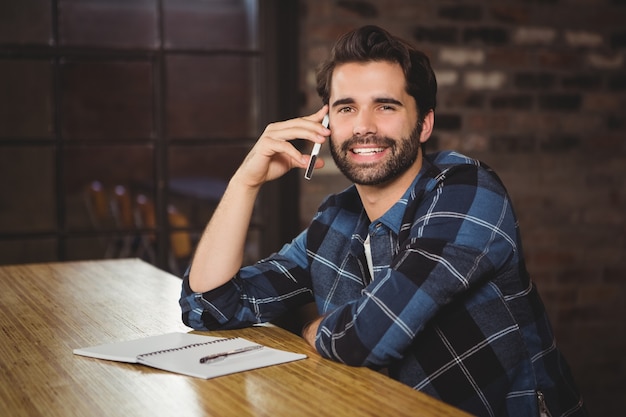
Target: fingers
(282,147)
(274,154)
(307,127)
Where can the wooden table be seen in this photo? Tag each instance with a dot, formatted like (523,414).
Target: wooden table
(46,310)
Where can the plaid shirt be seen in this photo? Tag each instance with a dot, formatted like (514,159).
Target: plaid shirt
(450,310)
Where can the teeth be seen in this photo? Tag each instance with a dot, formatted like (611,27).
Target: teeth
(366,151)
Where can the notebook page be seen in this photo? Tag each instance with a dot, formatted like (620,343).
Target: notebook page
(187,360)
(129,350)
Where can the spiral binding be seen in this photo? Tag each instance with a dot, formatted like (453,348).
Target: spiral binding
(193,345)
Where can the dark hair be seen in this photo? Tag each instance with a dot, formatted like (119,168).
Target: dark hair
(372,43)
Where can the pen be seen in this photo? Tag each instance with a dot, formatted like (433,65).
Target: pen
(316,150)
(229,353)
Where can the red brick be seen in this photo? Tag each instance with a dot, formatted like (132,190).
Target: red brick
(508,13)
(560,60)
(509,58)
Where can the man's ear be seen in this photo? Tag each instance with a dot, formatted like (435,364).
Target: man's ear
(427,126)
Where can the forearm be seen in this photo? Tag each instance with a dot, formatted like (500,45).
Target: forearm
(278,284)
(219,253)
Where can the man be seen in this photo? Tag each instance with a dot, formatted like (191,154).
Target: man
(416,268)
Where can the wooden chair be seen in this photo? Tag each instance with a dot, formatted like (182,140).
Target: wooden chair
(135,221)
(122,210)
(97,202)
(145,218)
(98,209)
(180,240)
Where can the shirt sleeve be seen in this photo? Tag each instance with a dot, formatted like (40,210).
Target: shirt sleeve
(457,235)
(257,294)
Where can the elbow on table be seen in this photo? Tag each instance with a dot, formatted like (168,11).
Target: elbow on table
(348,354)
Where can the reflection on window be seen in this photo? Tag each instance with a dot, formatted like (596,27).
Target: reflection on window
(211,97)
(218,24)
(120,128)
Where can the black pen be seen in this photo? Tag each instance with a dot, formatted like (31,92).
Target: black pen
(316,150)
(230,352)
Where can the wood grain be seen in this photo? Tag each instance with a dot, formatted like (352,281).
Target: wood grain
(46,310)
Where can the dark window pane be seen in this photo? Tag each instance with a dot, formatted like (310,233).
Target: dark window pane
(211,96)
(217,161)
(217,24)
(82,248)
(110,23)
(198,178)
(111,246)
(18,251)
(25,102)
(102,185)
(107,100)
(25,22)
(27,201)
(100,92)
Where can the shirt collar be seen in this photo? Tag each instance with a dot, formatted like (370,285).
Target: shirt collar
(392,218)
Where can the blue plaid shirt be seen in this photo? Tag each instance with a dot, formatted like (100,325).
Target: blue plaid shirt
(450,309)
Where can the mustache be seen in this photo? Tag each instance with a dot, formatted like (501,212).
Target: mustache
(380,141)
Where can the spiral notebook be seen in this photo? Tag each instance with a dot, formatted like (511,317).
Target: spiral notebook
(191,354)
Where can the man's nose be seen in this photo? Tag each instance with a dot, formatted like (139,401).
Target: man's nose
(364,124)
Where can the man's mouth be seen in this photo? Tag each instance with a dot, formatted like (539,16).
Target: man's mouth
(367,151)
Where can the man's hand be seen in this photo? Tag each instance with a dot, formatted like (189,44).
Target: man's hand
(219,253)
(309,331)
(272,156)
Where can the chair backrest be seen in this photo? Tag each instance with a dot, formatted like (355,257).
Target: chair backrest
(97,204)
(180,240)
(117,207)
(122,207)
(145,215)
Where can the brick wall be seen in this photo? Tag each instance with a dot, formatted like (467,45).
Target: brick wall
(537,89)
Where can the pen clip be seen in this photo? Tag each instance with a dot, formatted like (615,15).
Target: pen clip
(222,355)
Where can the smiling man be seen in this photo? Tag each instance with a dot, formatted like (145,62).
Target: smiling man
(416,269)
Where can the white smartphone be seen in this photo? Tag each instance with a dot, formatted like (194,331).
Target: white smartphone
(316,150)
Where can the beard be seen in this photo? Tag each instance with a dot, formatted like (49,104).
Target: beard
(402,154)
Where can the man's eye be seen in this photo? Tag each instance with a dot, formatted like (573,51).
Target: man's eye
(345,110)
